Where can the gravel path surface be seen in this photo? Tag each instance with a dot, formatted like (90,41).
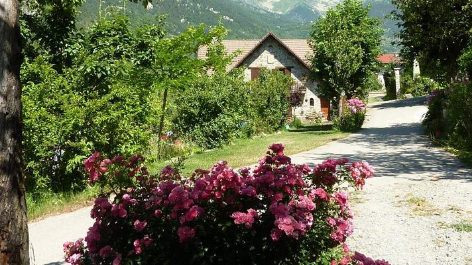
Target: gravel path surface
(48,235)
(404,214)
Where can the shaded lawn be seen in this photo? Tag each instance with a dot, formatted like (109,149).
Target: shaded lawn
(50,204)
(245,152)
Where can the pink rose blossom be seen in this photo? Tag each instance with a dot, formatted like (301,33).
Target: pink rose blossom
(185,233)
(139,226)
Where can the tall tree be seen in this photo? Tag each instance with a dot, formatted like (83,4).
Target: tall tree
(174,65)
(46,27)
(346,43)
(435,30)
(14,245)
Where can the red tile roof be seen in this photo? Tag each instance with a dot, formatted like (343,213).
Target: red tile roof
(388,58)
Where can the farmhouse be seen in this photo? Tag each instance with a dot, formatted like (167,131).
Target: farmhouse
(290,56)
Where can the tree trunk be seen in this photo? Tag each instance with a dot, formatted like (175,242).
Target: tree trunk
(161,123)
(14,246)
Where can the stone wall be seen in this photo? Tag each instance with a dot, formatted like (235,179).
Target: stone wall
(272,55)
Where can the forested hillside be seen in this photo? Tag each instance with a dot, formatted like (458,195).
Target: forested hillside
(243,21)
(246,19)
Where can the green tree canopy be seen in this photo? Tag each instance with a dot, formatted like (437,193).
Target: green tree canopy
(435,30)
(346,43)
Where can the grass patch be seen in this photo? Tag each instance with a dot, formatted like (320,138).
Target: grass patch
(374,100)
(245,152)
(453,208)
(49,204)
(462,227)
(356,198)
(463,155)
(421,207)
(242,152)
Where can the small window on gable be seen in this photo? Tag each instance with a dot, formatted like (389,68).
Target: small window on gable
(312,102)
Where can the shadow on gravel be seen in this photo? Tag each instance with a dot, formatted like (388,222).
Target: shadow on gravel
(403,149)
(55,263)
(401,103)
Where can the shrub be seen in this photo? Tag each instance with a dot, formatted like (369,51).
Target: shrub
(315,118)
(276,213)
(213,110)
(96,103)
(418,86)
(218,108)
(269,100)
(370,84)
(353,116)
(434,120)
(390,86)
(296,123)
(459,116)
(64,120)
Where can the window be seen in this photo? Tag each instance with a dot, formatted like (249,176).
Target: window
(286,71)
(255,73)
(312,102)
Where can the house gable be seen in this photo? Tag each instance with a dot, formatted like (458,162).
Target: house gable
(270,37)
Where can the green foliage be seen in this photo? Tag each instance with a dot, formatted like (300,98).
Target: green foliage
(346,43)
(372,84)
(463,226)
(434,118)
(353,116)
(98,103)
(465,61)
(459,117)
(350,122)
(390,86)
(296,123)
(212,110)
(218,108)
(46,25)
(269,100)
(436,31)
(419,86)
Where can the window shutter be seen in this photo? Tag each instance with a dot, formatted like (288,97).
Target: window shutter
(255,73)
(288,71)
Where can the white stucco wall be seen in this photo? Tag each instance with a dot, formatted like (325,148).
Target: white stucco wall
(272,55)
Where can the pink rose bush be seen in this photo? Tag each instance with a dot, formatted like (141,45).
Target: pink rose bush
(275,213)
(355,105)
(353,116)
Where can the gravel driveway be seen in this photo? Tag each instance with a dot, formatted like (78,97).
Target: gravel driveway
(404,214)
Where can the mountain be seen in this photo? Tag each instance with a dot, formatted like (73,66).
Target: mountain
(243,20)
(315,8)
(303,13)
(246,19)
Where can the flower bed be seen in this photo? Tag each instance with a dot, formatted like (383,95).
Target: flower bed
(276,213)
